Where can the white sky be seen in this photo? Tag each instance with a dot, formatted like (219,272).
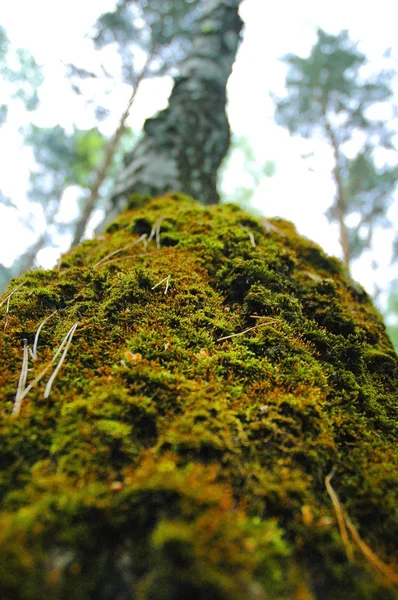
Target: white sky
(54,31)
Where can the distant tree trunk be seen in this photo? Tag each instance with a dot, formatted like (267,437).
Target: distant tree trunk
(183,146)
(340,200)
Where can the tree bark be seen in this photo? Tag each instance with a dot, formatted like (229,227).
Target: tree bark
(183,146)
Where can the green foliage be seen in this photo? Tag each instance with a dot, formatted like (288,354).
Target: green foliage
(327,87)
(20,74)
(328,93)
(161,25)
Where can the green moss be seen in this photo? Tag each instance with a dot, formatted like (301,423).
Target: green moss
(210,387)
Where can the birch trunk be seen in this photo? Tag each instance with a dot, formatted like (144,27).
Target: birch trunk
(183,146)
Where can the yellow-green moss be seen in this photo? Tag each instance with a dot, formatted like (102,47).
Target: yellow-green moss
(168,463)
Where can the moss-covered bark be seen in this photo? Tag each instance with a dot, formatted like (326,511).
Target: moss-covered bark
(183,447)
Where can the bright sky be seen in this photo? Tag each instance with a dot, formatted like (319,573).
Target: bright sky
(54,32)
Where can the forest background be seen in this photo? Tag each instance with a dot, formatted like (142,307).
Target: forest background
(68,73)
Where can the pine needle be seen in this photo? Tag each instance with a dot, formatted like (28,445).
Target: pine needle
(269,321)
(11,293)
(250,234)
(166,279)
(7,299)
(67,339)
(108,256)
(338,509)
(22,380)
(33,352)
(155,232)
(345,523)
(378,564)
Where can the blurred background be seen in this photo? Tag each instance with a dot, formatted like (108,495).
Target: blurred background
(312,104)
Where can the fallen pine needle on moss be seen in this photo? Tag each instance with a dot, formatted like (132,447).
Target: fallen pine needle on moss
(268,322)
(250,234)
(166,279)
(155,232)
(7,299)
(22,379)
(127,247)
(67,340)
(338,509)
(345,523)
(33,352)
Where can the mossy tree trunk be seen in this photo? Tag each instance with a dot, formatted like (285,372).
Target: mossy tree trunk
(220,370)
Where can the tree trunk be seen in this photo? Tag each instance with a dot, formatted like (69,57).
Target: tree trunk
(183,146)
(218,423)
(340,200)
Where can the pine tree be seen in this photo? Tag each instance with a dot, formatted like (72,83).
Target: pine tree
(328,94)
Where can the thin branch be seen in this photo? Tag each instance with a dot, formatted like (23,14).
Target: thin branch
(90,202)
(105,258)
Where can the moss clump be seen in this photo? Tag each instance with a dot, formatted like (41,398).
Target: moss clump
(210,387)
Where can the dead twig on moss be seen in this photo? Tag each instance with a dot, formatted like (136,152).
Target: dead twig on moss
(345,523)
(33,352)
(22,379)
(108,256)
(166,279)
